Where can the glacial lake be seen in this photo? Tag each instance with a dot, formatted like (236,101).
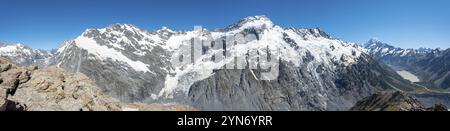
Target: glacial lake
(408,76)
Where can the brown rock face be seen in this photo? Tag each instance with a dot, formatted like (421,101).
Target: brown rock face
(9,81)
(53,89)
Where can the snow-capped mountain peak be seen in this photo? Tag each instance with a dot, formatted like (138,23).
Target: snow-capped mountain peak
(165,32)
(374,42)
(165,29)
(15,50)
(251,22)
(381,49)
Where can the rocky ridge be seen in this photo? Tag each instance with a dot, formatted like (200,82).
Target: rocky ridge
(393,101)
(53,89)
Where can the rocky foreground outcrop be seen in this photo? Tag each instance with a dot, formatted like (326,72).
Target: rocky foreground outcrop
(393,101)
(53,89)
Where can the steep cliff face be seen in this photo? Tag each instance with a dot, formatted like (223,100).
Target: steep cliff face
(296,88)
(53,89)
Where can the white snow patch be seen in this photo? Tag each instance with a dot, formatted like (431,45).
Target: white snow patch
(177,40)
(321,47)
(103,53)
(253,22)
(384,50)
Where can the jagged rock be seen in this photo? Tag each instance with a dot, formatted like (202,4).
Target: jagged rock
(388,101)
(5,67)
(393,101)
(24,76)
(52,89)
(3,100)
(11,76)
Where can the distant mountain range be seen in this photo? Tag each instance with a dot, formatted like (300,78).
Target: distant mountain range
(314,71)
(24,55)
(431,66)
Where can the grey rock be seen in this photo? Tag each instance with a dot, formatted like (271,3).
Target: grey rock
(389,101)
(394,101)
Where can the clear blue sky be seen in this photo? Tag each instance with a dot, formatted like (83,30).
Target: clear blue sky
(405,23)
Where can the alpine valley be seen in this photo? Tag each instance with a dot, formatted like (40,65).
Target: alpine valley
(315,70)
(429,68)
